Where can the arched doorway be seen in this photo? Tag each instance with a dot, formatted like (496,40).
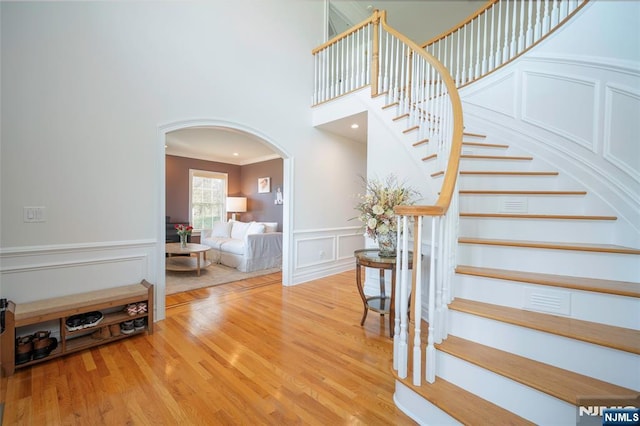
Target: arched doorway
(235,128)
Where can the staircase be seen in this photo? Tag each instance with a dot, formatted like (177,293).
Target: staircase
(545,314)
(535,309)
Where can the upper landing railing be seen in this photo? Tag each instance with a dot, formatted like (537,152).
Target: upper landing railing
(498,33)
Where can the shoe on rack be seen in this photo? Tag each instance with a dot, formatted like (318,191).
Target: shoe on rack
(127,327)
(75,322)
(24,349)
(131,309)
(43,344)
(142,307)
(138,324)
(93,318)
(114,329)
(102,334)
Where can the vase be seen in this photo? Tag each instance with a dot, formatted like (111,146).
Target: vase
(183,241)
(387,244)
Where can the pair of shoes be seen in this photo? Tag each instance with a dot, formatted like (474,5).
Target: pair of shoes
(24,349)
(127,327)
(101,334)
(43,344)
(134,309)
(86,320)
(139,324)
(106,332)
(36,346)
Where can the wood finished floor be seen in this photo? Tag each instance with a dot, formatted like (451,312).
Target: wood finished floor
(252,352)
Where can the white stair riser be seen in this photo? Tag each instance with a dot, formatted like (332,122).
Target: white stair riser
(610,365)
(419,409)
(477,164)
(541,204)
(576,231)
(619,311)
(526,402)
(512,182)
(613,266)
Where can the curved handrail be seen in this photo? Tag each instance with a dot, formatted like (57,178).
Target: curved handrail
(497,34)
(451,175)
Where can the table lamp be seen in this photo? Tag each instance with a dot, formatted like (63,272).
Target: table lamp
(236,205)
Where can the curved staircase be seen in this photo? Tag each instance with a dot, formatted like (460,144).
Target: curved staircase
(545,314)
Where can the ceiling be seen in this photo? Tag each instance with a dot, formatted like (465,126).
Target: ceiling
(231,146)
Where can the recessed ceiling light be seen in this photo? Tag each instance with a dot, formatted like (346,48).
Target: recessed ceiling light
(235,154)
(354,126)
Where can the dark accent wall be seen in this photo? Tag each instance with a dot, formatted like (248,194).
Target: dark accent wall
(243,182)
(177,183)
(260,206)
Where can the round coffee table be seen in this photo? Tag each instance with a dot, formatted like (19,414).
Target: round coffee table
(186,263)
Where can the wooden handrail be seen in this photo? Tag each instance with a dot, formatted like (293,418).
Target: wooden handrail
(371,20)
(448,185)
(455,28)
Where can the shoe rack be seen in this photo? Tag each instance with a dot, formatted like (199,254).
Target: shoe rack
(114,304)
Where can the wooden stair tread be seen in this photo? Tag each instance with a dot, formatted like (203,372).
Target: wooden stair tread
(620,288)
(537,216)
(563,384)
(411,129)
(494,157)
(421,142)
(400,117)
(474,135)
(462,405)
(619,338)
(506,173)
(485,145)
(604,248)
(518,192)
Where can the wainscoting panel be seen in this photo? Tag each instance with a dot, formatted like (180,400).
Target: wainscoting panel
(563,105)
(622,109)
(322,252)
(36,273)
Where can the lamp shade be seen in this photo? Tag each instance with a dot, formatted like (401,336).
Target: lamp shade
(236,204)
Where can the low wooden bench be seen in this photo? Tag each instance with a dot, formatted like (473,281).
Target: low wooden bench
(110,302)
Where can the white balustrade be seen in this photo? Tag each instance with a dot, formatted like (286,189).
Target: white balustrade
(418,79)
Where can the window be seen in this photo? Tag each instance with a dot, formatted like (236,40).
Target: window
(207,195)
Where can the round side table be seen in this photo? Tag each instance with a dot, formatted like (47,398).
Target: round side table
(380,303)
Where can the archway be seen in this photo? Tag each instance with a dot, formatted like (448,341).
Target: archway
(286,189)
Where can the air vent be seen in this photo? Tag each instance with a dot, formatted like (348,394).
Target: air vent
(514,205)
(549,301)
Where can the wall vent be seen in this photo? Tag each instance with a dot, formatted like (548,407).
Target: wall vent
(514,205)
(549,301)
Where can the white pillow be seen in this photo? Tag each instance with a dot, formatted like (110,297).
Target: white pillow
(221,229)
(239,230)
(256,228)
(270,226)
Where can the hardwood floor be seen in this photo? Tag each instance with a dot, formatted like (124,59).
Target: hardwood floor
(251,352)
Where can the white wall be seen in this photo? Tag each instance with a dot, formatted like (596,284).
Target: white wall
(574,103)
(87,89)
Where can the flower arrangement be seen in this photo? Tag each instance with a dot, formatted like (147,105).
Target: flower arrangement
(183,230)
(376,205)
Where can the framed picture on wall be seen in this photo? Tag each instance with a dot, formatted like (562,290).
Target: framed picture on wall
(264,185)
